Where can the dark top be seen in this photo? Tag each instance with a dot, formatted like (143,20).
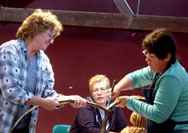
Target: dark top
(88,120)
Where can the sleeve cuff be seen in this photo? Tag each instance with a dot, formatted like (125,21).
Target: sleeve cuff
(27,98)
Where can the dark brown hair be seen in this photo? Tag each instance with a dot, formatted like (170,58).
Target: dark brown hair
(161,43)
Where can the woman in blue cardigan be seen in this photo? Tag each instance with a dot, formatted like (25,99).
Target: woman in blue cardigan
(167,103)
(89,118)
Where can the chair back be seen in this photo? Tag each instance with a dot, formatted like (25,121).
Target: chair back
(61,128)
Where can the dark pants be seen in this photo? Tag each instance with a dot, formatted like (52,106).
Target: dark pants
(23,130)
(180,131)
(23,126)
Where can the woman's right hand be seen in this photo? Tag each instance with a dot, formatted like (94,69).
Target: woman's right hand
(115,93)
(124,84)
(50,104)
(121,101)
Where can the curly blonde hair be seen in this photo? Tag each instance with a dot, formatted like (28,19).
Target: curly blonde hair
(39,21)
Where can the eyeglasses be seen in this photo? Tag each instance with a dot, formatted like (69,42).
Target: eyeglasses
(101,89)
(51,36)
(147,54)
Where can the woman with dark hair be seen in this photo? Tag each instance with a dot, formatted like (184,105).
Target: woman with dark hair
(167,103)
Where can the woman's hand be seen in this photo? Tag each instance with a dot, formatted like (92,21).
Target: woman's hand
(46,103)
(121,101)
(115,93)
(78,101)
(50,104)
(124,84)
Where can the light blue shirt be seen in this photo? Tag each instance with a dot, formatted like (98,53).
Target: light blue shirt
(13,83)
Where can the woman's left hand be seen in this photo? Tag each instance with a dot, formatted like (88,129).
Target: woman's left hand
(78,101)
(121,101)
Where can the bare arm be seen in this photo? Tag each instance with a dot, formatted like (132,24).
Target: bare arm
(55,103)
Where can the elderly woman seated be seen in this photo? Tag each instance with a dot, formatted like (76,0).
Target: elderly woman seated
(90,119)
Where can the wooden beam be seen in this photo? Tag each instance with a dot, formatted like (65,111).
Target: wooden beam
(103,20)
(150,22)
(72,18)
